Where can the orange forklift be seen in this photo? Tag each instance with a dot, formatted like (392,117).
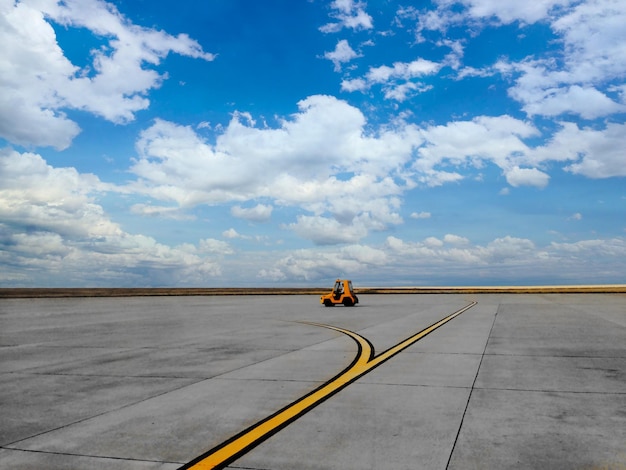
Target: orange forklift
(342,293)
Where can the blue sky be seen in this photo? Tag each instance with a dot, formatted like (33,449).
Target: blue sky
(290,142)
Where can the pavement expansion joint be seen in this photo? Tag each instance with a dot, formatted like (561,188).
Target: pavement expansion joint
(536,390)
(114,376)
(112,410)
(102,457)
(473,387)
(565,356)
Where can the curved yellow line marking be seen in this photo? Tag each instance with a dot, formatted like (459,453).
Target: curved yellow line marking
(363,363)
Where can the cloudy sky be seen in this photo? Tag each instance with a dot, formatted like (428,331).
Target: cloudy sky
(290,142)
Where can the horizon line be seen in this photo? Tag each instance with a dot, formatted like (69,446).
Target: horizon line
(48,292)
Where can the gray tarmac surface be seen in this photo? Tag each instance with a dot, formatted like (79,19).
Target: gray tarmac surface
(518,382)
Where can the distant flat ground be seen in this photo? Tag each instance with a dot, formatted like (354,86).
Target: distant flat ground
(33,292)
(161,381)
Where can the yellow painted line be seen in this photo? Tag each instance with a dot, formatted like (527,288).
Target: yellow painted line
(364,362)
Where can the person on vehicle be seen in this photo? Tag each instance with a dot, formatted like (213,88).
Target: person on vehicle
(338,290)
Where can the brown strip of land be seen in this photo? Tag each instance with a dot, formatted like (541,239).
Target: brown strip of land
(27,292)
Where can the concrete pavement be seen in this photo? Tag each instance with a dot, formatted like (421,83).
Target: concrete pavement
(517,381)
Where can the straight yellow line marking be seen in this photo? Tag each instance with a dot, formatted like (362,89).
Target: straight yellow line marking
(363,363)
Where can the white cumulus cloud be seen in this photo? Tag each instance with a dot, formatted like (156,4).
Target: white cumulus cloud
(39,82)
(258,213)
(508,11)
(349,14)
(322,159)
(343,53)
(396,80)
(517,176)
(594,153)
(51,223)
(592,56)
